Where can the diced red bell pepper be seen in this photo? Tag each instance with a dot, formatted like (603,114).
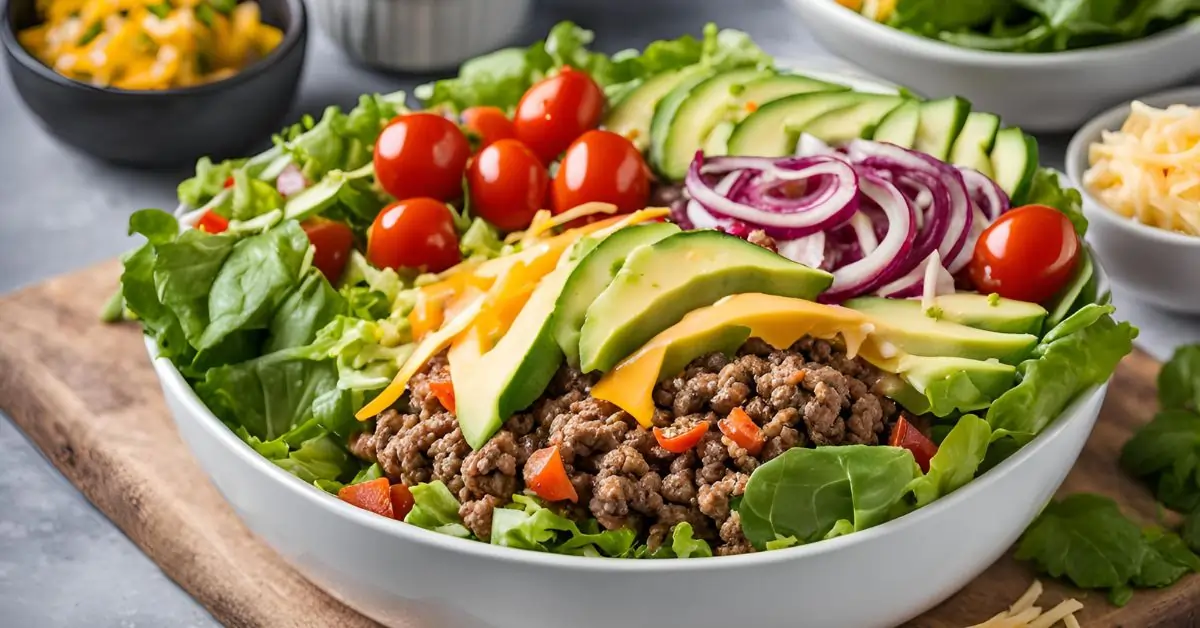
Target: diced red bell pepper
(374,496)
(910,438)
(740,428)
(210,222)
(546,476)
(402,501)
(444,391)
(682,441)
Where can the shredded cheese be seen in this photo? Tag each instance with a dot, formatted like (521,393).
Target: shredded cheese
(1023,613)
(1149,170)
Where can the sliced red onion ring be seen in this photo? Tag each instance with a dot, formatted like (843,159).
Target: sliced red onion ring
(880,264)
(822,206)
(937,281)
(965,254)
(985,193)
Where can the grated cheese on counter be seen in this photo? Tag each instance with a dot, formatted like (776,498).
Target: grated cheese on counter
(1023,613)
(1149,170)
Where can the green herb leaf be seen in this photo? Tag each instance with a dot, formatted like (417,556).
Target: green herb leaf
(1179,380)
(1166,453)
(160,10)
(1167,560)
(204,14)
(93,31)
(1086,539)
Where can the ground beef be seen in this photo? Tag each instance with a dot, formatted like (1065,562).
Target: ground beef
(807,395)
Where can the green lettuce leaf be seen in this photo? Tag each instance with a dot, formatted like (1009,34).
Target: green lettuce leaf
(1167,559)
(805,492)
(1190,532)
(184,272)
(270,395)
(932,16)
(480,240)
(527,524)
(208,181)
(956,461)
(435,508)
(1166,453)
(1179,380)
(1080,352)
(1048,189)
(322,457)
(373,472)
(1086,539)
(309,308)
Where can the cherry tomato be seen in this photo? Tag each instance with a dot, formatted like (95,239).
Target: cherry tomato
(1027,254)
(414,233)
(602,166)
(421,154)
(556,111)
(228,182)
(910,438)
(508,184)
(682,441)
(402,501)
(489,123)
(211,222)
(374,496)
(332,241)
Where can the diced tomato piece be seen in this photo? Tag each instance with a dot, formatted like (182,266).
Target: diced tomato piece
(740,428)
(374,496)
(228,182)
(910,438)
(210,222)
(682,441)
(332,242)
(444,391)
(402,501)
(546,476)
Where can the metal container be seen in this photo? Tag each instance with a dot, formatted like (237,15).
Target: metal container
(420,35)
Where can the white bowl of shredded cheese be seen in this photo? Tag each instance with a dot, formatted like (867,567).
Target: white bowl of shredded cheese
(1138,168)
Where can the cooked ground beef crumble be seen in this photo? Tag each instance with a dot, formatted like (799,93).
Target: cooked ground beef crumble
(808,395)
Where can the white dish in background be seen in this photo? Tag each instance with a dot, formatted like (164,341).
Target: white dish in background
(1155,265)
(1038,92)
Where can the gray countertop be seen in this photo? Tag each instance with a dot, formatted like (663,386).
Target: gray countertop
(62,563)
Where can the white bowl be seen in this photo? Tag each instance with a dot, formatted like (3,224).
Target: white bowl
(1038,92)
(401,575)
(1155,265)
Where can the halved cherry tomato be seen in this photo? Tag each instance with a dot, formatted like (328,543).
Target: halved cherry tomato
(211,222)
(682,441)
(605,167)
(508,183)
(290,181)
(1028,254)
(557,110)
(228,182)
(402,501)
(374,496)
(740,429)
(444,391)
(414,233)
(546,476)
(332,241)
(421,154)
(489,123)
(910,438)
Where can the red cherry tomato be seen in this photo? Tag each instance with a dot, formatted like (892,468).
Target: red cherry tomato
(910,438)
(508,184)
(332,241)
(421,154)
(602,166)
(402,501)
(489,123)
(1027,254)
(210,222)
(415,233)
(374,496)
(557,110)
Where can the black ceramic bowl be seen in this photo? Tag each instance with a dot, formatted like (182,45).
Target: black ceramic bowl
(163,128)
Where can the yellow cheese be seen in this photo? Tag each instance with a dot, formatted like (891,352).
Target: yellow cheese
(779,321)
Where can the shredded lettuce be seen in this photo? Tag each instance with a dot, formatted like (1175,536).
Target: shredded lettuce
(956,461)
(527,524)
(435,508)
(1048,189)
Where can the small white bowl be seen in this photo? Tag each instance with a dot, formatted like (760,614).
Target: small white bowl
(1038,92)
(1155,265)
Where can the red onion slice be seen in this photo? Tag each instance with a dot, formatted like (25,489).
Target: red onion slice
(985,193)
(937,281)
(877,266)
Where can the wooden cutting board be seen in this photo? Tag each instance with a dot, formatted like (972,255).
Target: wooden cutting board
(86,395)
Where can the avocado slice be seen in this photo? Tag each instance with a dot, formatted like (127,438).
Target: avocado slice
(774,129)
(632,115)
(850,122)
(662,282)
(973,310)
(1014,162)
(899,126)
(944,385)
(689,124)
(515,372)
(593,273)
(941,122)
(973,148)
(756,94)
(911,331)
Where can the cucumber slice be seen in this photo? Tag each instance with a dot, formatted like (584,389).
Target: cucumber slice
(900,126)
(850,122)
(704,106)
(1014,162)
(974,145)
(631,117)
(772,130)
(941,122)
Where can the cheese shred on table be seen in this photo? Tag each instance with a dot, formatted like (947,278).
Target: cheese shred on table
(1149,170)
(1023,613)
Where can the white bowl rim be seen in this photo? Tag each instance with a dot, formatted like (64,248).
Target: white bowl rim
(1112,119)
(960,55)
(175,385)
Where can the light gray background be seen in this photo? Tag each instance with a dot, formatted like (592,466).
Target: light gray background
(62,563)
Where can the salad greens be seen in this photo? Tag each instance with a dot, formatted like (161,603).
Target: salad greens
(1039,25)
(1166,452)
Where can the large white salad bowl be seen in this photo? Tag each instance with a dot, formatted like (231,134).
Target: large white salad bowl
(404,576)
